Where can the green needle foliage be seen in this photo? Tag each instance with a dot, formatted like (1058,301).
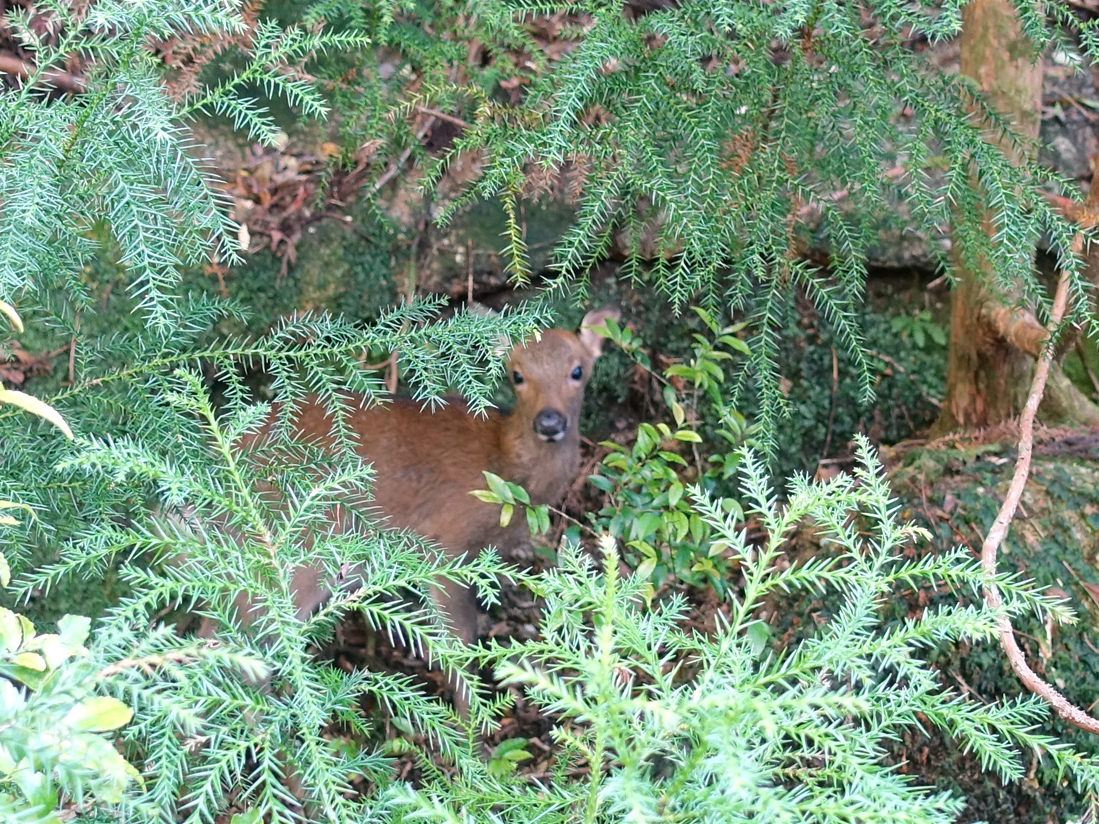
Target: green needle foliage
(711,141)
(659,723)
(702,135)
(666,724)
(117,155)
(125,377)
(210,733)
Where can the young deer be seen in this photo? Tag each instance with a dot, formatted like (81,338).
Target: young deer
(427,463)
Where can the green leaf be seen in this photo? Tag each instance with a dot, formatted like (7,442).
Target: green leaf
(600,482)
(758,634)
(54,649)
(518,493)
(707,318)
(488,496)
(675,493)
(648,523)
(737,344)
(509,747)
(688,435)
(681,523)
(698,529)
(39,791)
(30,661)
(32,678)
(507,755)
(538,519)
(506,511)
(11,630)
(35,407)
(99,714)
(114,770)
(712,369)
(499,486)
(678,413)
(646,440)
(704,565)
(74,629)
(608,329)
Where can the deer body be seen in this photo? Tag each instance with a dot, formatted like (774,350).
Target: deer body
(427,463)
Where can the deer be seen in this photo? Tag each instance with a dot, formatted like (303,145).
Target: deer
(426,463)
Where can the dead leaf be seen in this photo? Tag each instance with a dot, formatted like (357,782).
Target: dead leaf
(1093,591)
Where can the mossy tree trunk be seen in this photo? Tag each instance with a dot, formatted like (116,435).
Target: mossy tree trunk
(993,344)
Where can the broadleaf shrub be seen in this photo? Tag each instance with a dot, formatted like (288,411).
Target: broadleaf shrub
(646,504)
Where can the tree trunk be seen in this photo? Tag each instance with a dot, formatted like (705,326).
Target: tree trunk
(992,345)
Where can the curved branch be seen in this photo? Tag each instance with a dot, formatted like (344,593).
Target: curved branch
(1033,682)
(1018,327)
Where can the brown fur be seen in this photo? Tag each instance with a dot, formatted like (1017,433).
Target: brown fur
(427,463)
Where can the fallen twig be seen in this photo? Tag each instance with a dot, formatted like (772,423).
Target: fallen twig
(449,118)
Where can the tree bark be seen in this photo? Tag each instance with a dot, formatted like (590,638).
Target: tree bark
(993,346)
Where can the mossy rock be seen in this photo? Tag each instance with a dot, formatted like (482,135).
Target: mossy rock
(341,267)
(480,229)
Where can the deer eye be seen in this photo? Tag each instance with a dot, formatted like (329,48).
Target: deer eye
(577,373)
(516,378)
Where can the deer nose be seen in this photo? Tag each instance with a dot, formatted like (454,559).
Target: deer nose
(550,425)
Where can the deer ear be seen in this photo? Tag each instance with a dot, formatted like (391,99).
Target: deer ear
(596,317)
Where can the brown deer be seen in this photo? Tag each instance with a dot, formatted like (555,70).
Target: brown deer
(427,463)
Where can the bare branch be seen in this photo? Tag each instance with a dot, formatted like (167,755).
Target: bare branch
(1018,327)
(61,80)
(1033,682)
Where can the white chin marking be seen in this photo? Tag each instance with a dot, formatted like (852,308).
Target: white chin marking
(552,438)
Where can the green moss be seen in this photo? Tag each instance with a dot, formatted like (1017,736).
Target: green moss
(341,267)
